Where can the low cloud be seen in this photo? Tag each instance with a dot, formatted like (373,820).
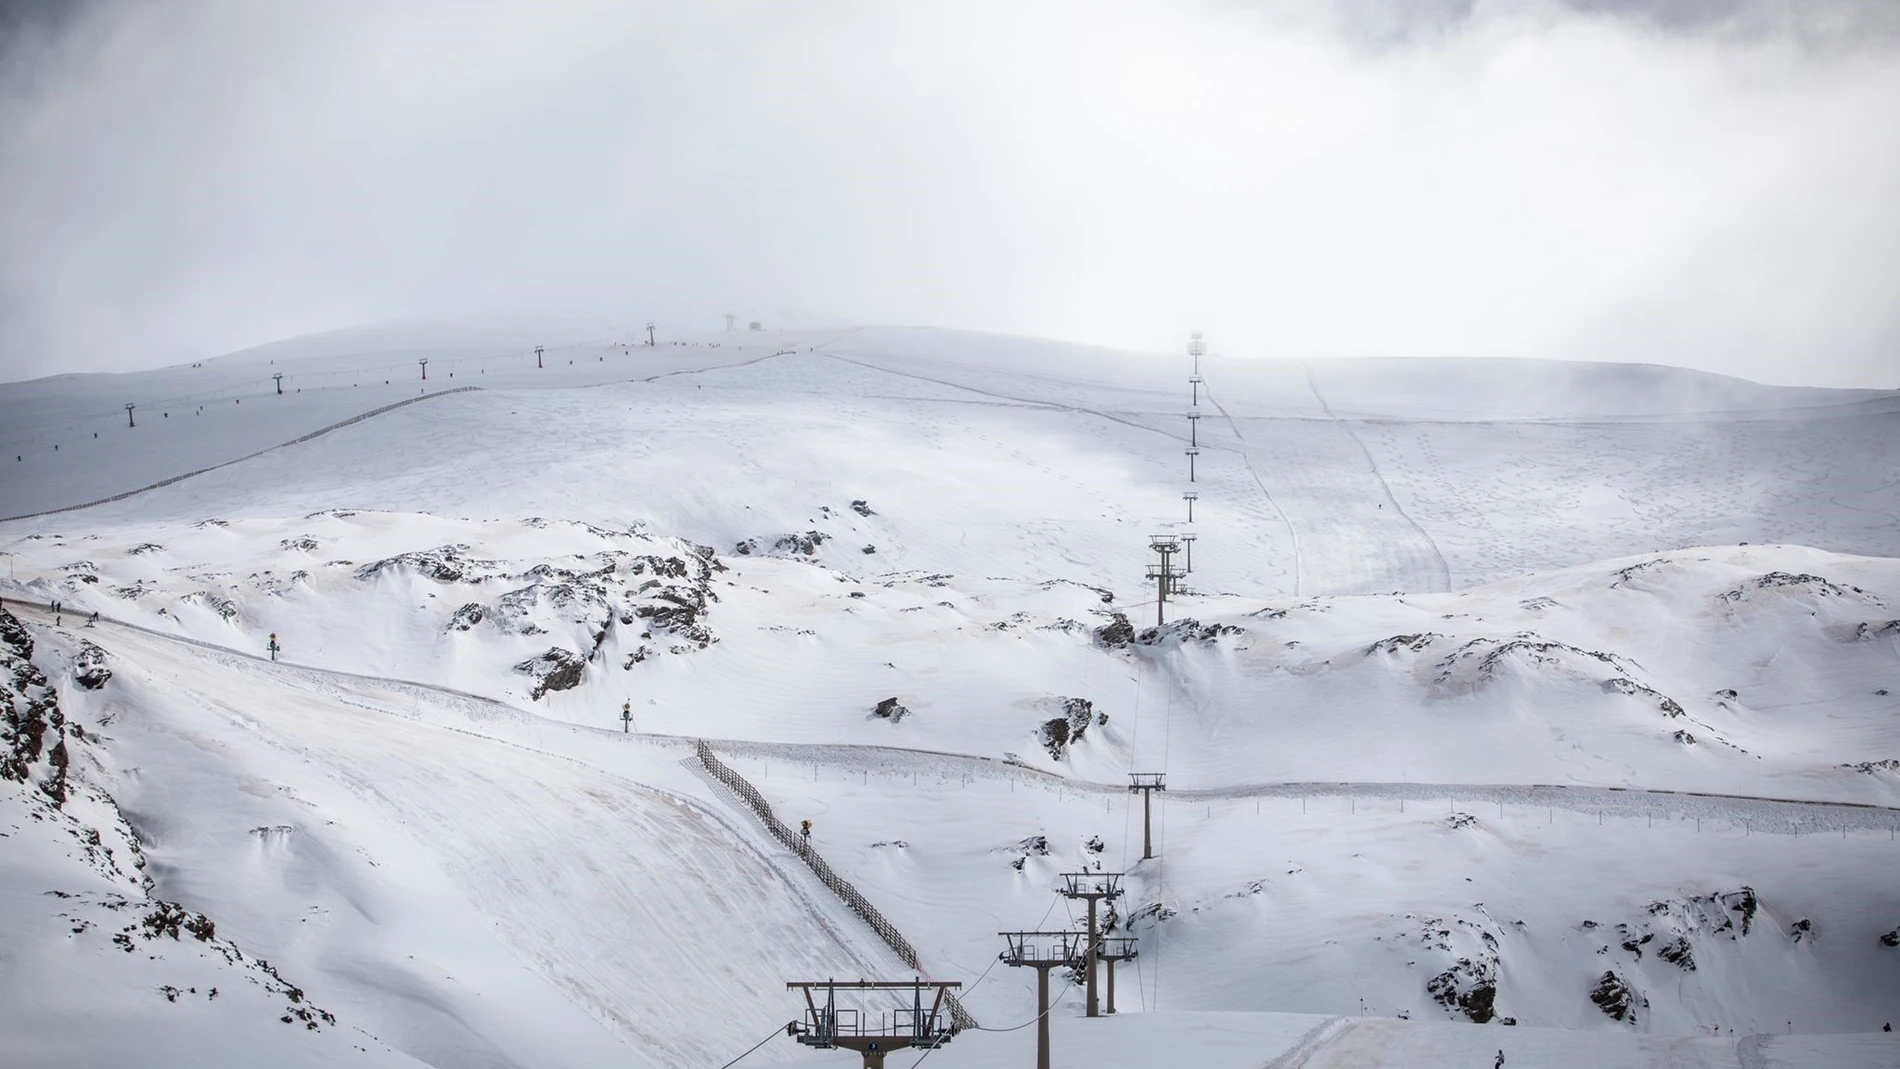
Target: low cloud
(1703,184)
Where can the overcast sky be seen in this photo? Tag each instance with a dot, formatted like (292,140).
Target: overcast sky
(1708,183)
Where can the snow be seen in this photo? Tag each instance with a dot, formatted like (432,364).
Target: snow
(1484,684)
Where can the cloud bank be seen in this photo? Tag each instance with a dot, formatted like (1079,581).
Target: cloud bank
(1702,184)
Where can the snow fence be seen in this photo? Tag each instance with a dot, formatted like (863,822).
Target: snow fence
(959,1017)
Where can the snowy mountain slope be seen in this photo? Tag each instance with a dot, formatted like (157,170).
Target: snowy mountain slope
(1085,439)
(86,938)
(937,843)
(1753,670)
(768,547)
(465,901)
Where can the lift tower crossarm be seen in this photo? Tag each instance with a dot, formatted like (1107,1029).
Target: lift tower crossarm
(827,1027)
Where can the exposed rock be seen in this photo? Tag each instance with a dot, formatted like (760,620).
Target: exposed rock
(1185,630)
(1477,661)
(1891,939)
(1743,902)
(304,543)
(444,564)
(1625,685)
(1059,733)
(1888,764)
(1801,929)
(145,547)
(890,709)
(862,508)
(1115,634)
(869,549)
(89,667)
(224,607)
(1415,643)
(33,736)
(1616,998)
(557,669)
(467,616)
(1676,952)
(1870,630)
(1684,737)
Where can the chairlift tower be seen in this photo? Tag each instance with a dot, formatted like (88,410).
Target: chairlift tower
(1147,783)
(1092,887)
(1190,497)
(425,368)
(129,421)
(826,1026)
(650,342)
(1194,381)
(1043,951)
(626,717)
(1192,452)
(1187,545)
(1194,427)
(278,378)
(1110,950)
(732,321)
(1196,349)
(538,350)
(1165,574)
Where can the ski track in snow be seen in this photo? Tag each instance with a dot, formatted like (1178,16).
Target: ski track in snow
(1769,815)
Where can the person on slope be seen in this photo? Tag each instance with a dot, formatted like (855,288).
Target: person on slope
(1499,1064)
(805,826)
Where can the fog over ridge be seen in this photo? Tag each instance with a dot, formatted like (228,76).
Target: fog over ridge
(1702,184)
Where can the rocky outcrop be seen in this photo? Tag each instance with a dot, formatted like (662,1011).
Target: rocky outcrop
(1616,998)
(89,667)
(802,543)
(1468,986)
(1184,631)
(1116,634)
(890,709)
(557,669)
(444,564)
(33,735)
(1057,734)
(1415,643)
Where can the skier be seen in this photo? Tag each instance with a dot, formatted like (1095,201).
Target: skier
(805,826)
(1499,1064)
(1888,1027)
(95,618)
(273,647)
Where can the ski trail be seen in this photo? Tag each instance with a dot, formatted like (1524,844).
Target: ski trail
(1443,573)
(1246,458)
(318,433)
(1035,402)
(1624,801)
(1322,1036)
